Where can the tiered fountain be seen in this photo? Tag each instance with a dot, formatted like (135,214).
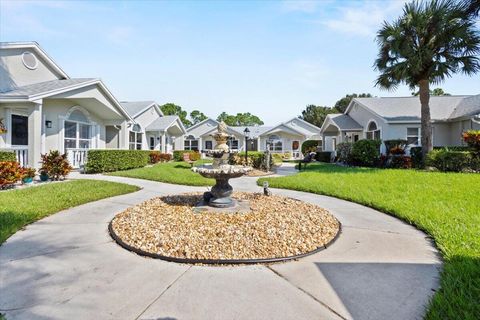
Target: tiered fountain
(221,171)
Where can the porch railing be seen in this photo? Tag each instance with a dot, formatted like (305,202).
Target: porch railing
(77,157)
(21,153)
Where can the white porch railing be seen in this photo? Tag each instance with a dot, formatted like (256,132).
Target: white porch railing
(21,152)
(77,157)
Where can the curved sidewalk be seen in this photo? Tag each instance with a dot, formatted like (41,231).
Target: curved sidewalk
(66,266)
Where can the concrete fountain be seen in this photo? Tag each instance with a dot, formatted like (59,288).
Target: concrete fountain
(221,171)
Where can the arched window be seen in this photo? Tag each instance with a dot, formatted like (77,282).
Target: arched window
(274,143)
(373,132)
(77,129)
(190,143)
(135,137)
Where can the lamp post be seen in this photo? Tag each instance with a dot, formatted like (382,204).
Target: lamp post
(247,133)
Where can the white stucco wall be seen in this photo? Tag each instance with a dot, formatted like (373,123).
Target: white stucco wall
(13,73)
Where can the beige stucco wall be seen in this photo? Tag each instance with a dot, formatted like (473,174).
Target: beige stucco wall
(13,73)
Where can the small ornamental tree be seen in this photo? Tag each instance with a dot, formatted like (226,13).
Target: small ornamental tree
(55,165)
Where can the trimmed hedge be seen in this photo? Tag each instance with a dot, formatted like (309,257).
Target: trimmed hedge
(8,156)
(324,156)
(445,160)
(418,161)
(256,159)
(115,160)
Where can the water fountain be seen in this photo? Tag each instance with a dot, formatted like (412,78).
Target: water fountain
(221,171)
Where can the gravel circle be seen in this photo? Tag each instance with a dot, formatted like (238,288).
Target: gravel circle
(276,227)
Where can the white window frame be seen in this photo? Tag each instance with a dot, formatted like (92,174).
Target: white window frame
(373,132)
(135,144)
(272,144)
(418,136)
(77,134)
(189,147)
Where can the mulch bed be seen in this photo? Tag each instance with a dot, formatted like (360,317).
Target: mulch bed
(276,227)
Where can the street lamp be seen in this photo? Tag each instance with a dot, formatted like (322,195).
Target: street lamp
(247,134)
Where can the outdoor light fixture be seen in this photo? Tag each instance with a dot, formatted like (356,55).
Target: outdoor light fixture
(247,134)
(48,124)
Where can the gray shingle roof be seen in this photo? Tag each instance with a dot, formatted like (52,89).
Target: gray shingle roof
(408,108)
(469,106)
(43,87)
(255,131)
(162,123)
(135,107)
(344,122)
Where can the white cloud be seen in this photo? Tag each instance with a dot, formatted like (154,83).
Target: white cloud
(364,20)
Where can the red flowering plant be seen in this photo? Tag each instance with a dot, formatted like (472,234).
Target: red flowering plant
(472,139)
(10,173)
(55,165)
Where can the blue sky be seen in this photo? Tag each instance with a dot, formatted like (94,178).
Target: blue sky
(270,58)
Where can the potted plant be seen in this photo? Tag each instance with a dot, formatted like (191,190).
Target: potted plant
(55,165)
(28,175)
(43,175)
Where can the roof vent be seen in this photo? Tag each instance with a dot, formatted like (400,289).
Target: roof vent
(29,60)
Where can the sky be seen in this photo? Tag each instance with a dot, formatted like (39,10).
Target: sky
(270,58)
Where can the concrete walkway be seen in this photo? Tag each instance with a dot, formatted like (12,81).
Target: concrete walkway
(66,266)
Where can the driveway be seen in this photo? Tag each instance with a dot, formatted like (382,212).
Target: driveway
(66,266)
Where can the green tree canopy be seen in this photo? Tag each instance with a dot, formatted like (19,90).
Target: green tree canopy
(316,114)
(428,43)
(197,116)
(171,109)
(240,119)
(342,104)
(434,92)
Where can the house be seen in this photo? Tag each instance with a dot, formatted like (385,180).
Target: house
(154,130)
(286,137)
(43,109)
(399,118)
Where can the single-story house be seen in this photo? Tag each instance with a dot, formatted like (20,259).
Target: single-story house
(43,109)
(399,118)
(286,137)
(155,131)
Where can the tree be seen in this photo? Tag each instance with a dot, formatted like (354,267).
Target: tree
(240,119)
(197,116)
(316,114)
(342,104)
(434,92)
(170,109)
(428,43)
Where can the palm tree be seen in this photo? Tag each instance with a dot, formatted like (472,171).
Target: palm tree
(428,43)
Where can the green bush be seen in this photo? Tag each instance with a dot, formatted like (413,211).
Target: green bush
(344,152)
(310,146)
(7,156)
(178,155)
(277,158)
(446,160)
(366,152)
(324,156)
(255,159)
(114,160)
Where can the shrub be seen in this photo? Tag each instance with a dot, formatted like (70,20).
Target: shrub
(472,139)
(310,146)
(178,155)
(255,159)
(396,145)
(324,156)
(10,173)
(157,156)
(8,156)
(286,156)
(445,160)
(400,162)
(417,158)
(366,152)
(344,152)
(114,160)
(277,158)
(28,172)
(55,165)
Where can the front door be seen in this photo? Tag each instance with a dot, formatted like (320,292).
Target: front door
(296,149)
(19,130)
(152,143)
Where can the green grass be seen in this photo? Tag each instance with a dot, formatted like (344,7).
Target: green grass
(21,207)
(170,172)
(444,205)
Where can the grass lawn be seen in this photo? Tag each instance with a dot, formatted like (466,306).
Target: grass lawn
(21,207)
(170,172)
(444,205)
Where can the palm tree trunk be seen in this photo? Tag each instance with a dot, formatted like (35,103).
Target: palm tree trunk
(426,128)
